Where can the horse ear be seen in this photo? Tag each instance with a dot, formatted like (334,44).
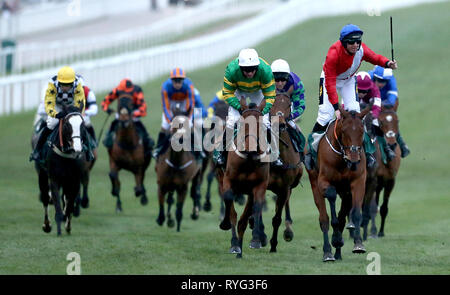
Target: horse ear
(262,105)
(243,103)
(343,111)
(364,112)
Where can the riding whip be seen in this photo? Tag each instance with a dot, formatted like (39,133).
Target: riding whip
(101,131)
(392,42)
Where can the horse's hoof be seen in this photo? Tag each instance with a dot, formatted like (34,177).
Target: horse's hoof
(327,257)
(47,228)
(207,206)
(160,221)
(144,200)
(225,225)
(194,216)
(68,231)
(85,203)
(373,236)
(239,256)
(263,241)
(273,250)
(337,256)
(170,223)
(235,250)
(119,209)
(350,225)
(288,235)
(254,244)
(381,234)
(359,249)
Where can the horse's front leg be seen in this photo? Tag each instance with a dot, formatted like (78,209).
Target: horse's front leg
(357,188)
(170,201)
(389,186)
(324,221)
(346,205)
(258,234)
(181,196)
(45,198)
(114,177)
(139,190)
(59,216)
(276,220)
(195,195)
(288,233)
(228,198)
(161,194)
(207,206)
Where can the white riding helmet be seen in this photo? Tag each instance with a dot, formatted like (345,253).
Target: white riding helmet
(280,66)
(248,57)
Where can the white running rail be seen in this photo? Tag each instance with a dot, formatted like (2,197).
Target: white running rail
(21,92)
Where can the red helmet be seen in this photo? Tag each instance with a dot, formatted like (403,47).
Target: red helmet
(364,81)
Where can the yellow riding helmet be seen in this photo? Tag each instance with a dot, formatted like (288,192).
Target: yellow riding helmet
(66,75)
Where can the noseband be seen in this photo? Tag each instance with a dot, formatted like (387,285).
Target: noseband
(352,148)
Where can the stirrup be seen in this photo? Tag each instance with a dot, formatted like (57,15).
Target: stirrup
(371,161)
(277,163)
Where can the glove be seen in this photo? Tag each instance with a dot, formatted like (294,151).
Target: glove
(60,115)
(109,111)
(240,110)
(136,114)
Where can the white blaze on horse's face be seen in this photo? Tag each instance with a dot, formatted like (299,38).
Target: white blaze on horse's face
(75,122)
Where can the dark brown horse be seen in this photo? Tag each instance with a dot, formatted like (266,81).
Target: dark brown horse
(384,175)
(61,173)
(127,152)
(220,113)
(175,169)
(283,179)
(341,169)
(247,172)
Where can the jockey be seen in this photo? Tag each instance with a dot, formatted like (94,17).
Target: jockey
(63,89)
(176,89)
(385,81)
(246,76)
(289,83)
(343,59)
(127,87)
(90,111)
(369,94)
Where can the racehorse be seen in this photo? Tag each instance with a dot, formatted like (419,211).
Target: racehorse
(175,170)
(385,174)
(220,112)
(340,169)
(127,152)
(285,178)
(247,173)
(43,177)
(63,168)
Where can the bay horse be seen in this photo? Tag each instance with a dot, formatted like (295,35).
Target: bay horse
(220,112)
(246,173)
(175,170)
(385,174)
(285,178)
(63,166)
(127,152)
(340,169)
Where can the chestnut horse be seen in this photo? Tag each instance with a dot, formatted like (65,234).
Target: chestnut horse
(384,176)
(247,172)
(285,178)
(175,169)
(340,169)
(127,152)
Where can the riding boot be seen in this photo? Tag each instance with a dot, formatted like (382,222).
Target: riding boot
(220,155)
(390,154)
(309,159)
(403,147)
(162,138)
(277,162)
(109,137)
(146,140)
(36,154)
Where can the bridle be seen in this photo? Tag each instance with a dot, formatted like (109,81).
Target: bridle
(67,152)
(352,148)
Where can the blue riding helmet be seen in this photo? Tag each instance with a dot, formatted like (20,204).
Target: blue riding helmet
(349,29)
(382,73)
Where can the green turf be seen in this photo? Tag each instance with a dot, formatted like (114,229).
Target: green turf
(417,231)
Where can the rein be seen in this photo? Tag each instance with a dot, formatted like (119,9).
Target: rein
(342,147)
